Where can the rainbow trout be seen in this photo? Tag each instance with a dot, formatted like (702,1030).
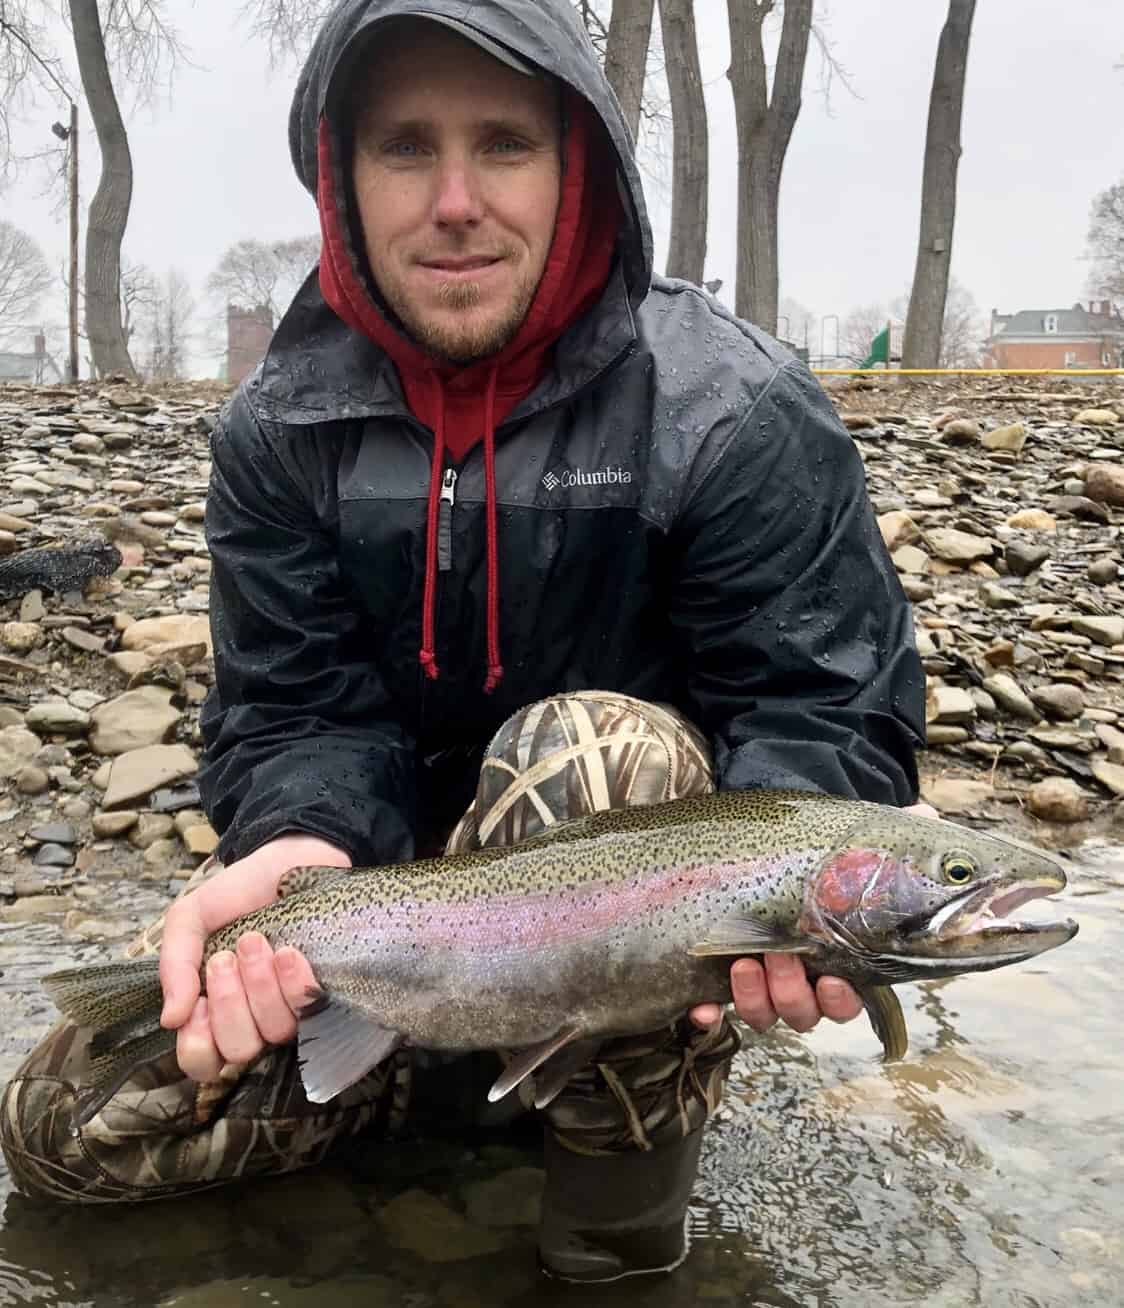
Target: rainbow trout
(612,924)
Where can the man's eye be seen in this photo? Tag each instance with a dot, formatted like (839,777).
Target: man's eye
(509,146)
(403,149)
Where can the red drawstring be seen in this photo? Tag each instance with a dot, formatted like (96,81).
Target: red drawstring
(495,667)
(427,655)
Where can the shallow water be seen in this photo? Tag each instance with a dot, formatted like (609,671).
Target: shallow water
(986,1170)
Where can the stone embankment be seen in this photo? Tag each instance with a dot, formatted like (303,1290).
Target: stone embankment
(1003,507)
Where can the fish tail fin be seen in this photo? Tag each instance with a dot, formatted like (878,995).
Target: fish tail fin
(121,1004)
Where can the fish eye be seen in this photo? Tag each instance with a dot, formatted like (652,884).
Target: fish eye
(958,869)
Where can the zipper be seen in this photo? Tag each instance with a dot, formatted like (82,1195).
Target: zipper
(445,520)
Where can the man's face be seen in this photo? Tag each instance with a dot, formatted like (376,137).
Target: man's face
(457,176)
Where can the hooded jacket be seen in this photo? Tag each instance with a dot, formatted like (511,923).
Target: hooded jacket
(647,495)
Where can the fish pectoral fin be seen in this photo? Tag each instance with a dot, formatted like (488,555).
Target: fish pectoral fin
(299,879)
(886,1017)
(739,933)
(337,1044)
(527,1060)
(554,1075)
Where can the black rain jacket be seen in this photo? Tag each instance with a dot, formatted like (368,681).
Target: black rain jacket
(682,517)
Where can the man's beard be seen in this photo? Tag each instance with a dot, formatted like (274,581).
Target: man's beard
(465,341)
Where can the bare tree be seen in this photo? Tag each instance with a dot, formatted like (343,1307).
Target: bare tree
(1105,247)
(166,329)
(288,26)
(962,328)
(626,55)
(253,274)
(25,278)
(764,126)
(690,173)
(797,324)
(922,346)
(859,329)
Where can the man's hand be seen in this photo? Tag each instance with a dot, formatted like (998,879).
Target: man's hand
(252,994)
(780,988)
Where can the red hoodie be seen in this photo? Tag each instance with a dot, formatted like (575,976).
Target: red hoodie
(464,404)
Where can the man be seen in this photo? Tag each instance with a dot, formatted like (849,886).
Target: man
(487,462)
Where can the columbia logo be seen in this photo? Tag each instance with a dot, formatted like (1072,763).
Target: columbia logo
(576,477)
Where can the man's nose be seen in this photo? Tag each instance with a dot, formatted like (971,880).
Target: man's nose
(459,199)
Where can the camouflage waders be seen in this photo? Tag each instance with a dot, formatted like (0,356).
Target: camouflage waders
(163,1134)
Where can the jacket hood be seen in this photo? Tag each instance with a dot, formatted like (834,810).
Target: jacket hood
(546,33)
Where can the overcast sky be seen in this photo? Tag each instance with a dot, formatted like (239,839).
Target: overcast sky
(1043,132)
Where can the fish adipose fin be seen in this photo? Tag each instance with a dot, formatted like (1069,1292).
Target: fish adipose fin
(337,1044)
(529,1060)
(885,1012)
(741,934)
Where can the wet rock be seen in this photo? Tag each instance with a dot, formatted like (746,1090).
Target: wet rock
(141,771)
(55,717)
(960,431)
(513,1198)
(898,528)
(1060,702)
(1103,572)
(1105,631)
(858,421)
(1096,418)
(149,828)
(936,734)
(1112,739)
(32,608)
(58,833)
(1022,559)
(85,641)
(1057,799)
(996,596)
(908,558)
(420,1223)
(956,546)
(134,720)
(957,794)
(1079,506)
(1110,775)
(54,856)
(83,925)
(150,634)
(108,825)
(948,704)
(201,839)
(1033,520)
(1008,694)
(1011,438)
(1104,483)
(32,780)
(37,908)
(917,589)
(20,637)
(161,853)
(18,747)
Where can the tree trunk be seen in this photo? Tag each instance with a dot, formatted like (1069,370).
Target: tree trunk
(764,127)
(922,346)
(626,55)
(109,210)
(687,253)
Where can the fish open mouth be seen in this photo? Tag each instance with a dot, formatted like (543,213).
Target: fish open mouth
(979,922)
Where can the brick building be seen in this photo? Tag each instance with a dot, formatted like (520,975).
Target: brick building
(1081,337)
(248,333)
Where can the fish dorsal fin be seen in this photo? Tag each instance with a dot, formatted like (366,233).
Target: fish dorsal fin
(527,1060)
(886,1017)
(738,933)
(299,879)
(338,1044)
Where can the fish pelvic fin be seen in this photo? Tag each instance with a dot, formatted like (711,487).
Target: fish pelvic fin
(739,933)
(886,1017)
(112,1067)
(527,1061)
(338,1042)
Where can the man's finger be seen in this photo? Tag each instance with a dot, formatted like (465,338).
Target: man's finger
(751,994)
(837,999)
(705,1015)
(195,1049)
(268,1007)
(232,1024)
(790,991)
(295,974)
(181,952)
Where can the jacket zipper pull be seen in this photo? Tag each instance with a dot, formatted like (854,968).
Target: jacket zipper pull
(445,520)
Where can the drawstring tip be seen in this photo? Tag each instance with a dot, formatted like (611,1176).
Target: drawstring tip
(428,660)
(495,676)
